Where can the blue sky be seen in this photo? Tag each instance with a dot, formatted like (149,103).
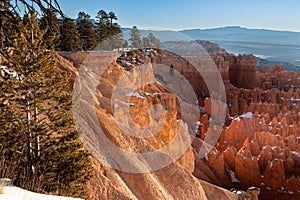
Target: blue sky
(179,14)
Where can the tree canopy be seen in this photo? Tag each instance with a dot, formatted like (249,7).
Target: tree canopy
(86,31)
(69,36)
(135,37)
(40,147)
(108,31)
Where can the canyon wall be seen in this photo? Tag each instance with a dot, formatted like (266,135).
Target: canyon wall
(258,146)
(174,181)
(242,71)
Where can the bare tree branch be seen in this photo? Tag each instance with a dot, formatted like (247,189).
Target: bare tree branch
(9,8)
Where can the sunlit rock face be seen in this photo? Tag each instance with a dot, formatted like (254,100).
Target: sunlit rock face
(259,142)
(260,146)
(137,112)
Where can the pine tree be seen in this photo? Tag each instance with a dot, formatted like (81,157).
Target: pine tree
(125,44)
(135,38)
(70,39)
(154,42)
(146,42)
(10,12)
(102,26)
(112,16)
(40,143)
(108,32)
(51,24)
(86,31)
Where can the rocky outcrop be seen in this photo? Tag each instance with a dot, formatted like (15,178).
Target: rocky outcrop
(264,157)
(211,48)
(262,101)
(276,77)
(259,144)
(235,70)
(242,72)
(133,112)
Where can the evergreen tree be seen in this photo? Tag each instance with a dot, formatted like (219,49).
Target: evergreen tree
(108,32)
(115,31)
(154,42)
(102,26)
(112,16)
(11,9)
(40,145)
(51,24)
(6,27)
(135,38)
(146,42)
(86,31)
(10,12)
(70,39)
(125,44)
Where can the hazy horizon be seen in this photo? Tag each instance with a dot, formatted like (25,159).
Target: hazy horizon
(208,28)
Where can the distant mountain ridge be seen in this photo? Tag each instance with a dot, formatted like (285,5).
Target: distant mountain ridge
(237,33)
(228,33)
(276,46)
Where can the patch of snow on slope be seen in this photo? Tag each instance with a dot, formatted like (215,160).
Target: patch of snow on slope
(134,94)
(247,115)
(11,192)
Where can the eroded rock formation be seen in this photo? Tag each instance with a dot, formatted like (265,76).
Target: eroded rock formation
(260,147)
(259,144)
(174,181)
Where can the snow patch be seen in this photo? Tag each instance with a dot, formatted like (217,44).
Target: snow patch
(202,109)
(237,119)
(198,123)
(270,128)
(247,115)
(296,153)
(135,94)
(11,192)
